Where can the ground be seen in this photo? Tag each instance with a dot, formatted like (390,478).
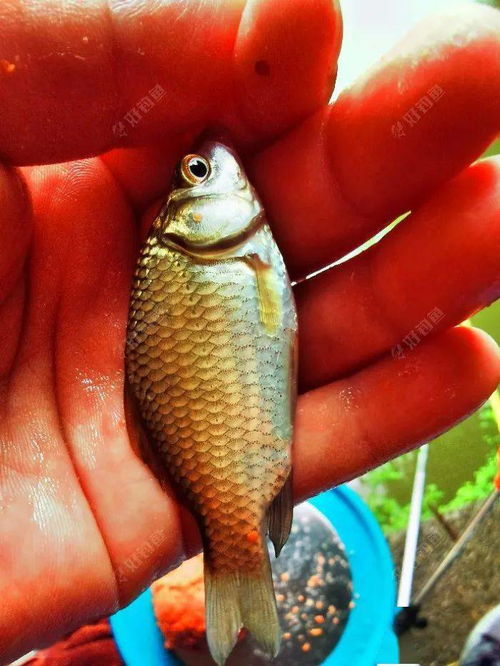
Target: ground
(469,588)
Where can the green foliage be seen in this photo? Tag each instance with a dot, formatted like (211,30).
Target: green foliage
(433,497)
(492,3)
(386,509)
(475,490)
(383,474)
(482,484)
(393,516)
(489,427)
(389,512)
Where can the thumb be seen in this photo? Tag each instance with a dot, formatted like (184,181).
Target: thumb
(81,78)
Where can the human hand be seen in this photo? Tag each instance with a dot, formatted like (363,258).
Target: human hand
(84,523)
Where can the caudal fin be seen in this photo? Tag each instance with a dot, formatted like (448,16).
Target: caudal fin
(235,600)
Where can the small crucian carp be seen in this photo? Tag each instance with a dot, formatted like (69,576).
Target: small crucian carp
(211,361)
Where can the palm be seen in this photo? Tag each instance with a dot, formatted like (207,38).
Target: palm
(84,522)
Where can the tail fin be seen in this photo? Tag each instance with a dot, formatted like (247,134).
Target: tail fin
(240,599)
(223,615)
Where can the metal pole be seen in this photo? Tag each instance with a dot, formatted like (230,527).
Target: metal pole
(411,543)
(458,547)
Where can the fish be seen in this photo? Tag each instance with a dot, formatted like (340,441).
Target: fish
(211,362)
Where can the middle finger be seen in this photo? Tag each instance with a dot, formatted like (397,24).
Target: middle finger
(435,269)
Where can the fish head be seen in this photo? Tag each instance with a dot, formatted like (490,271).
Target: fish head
(212,205)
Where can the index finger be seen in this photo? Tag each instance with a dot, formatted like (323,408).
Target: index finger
(81,78)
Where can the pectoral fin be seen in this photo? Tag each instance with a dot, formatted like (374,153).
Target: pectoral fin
(268,293)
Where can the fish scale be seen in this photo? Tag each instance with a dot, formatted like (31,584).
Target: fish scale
(177,422)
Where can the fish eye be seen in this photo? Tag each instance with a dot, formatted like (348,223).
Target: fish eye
(195,169)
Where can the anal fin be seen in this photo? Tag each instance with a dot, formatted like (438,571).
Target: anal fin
(280,516)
